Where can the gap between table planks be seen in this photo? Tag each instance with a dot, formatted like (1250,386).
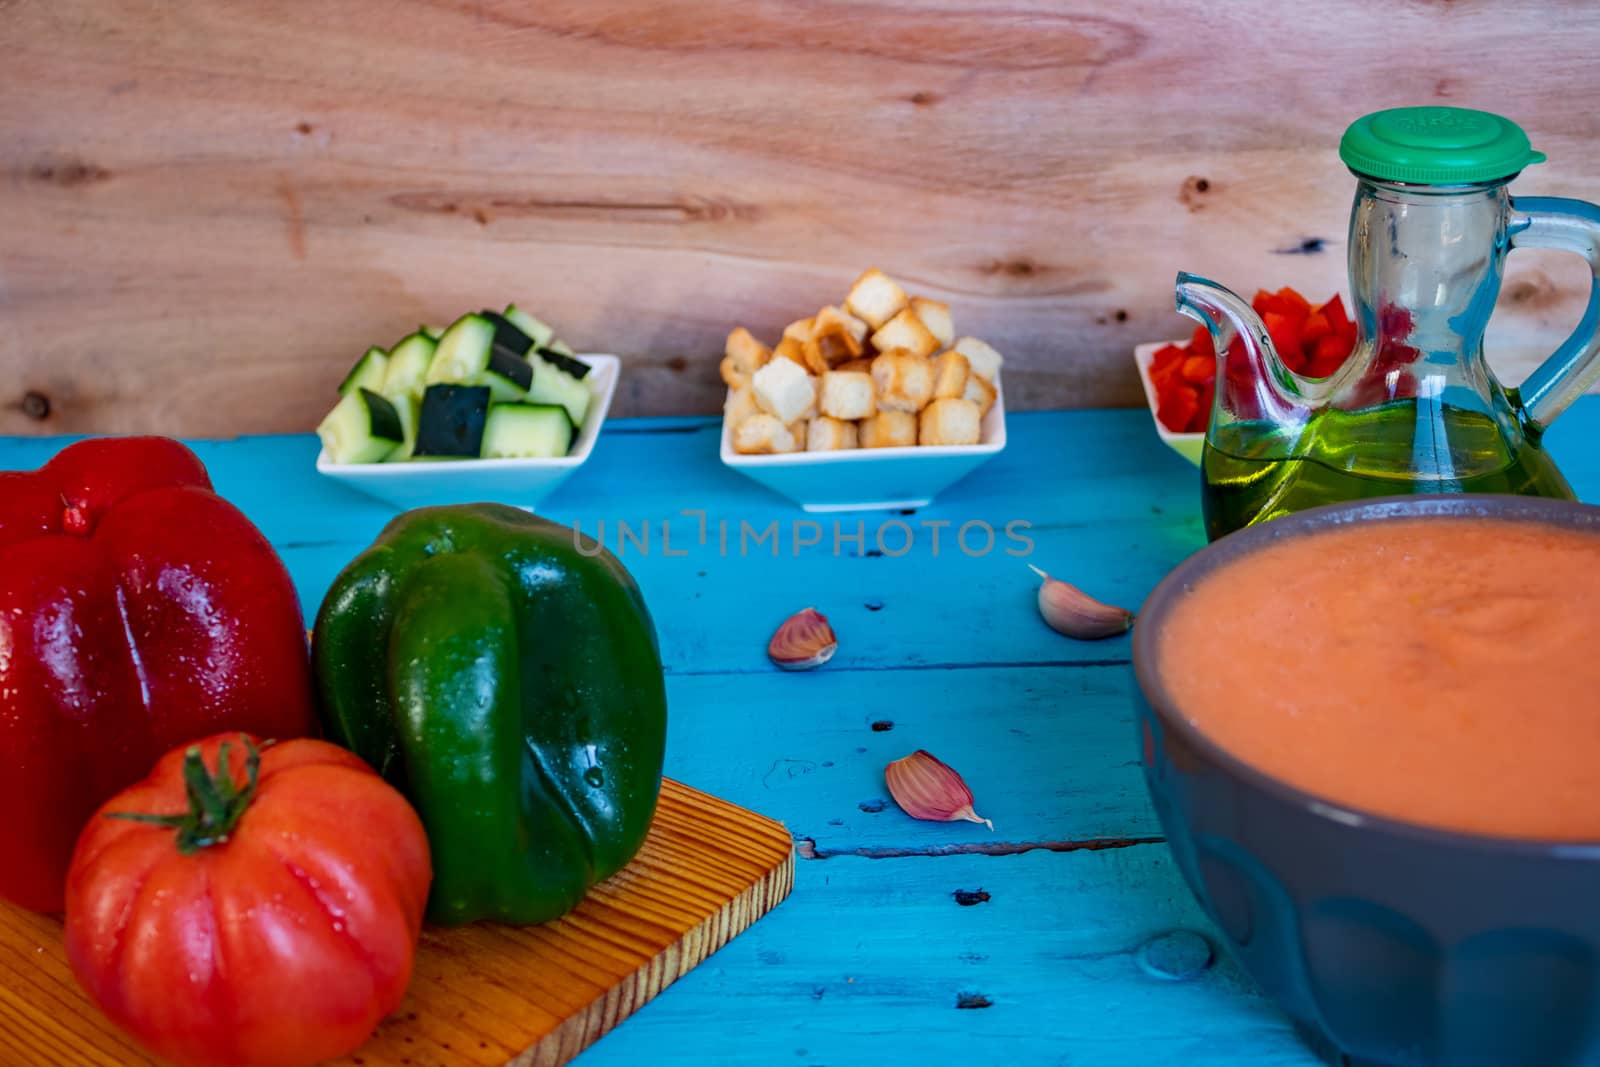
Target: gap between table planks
(483,994)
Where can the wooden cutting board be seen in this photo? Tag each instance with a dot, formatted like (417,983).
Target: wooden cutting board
(484,994)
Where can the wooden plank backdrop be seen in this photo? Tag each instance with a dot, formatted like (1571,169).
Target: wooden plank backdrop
(211,206)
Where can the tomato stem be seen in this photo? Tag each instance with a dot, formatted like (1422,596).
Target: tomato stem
(216,803)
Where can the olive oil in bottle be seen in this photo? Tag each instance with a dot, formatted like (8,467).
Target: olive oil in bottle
(1398,448)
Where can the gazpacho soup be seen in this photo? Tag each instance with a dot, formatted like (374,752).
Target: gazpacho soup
(1441,671)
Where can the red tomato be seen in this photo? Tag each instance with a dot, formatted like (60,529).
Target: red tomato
(273,924)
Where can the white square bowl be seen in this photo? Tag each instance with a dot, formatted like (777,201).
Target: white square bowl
(522,483)
(1187,445)
(871,479)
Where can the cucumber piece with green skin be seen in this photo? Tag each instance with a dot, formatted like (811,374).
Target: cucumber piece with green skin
(527,431)
(552,385)
(575,367)
(508,376)
(433,332)
(408,365)
(363,427)
(463,352)
(537,329)
(508,335)
(408,406)
(368,373)
(451,421)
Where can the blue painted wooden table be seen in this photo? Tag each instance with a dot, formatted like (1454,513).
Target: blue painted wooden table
(1063,936)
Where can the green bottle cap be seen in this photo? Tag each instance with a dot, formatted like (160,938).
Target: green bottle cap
(1436,146)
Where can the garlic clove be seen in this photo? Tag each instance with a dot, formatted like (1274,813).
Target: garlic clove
(1069,610)
(926,788)
(805,640)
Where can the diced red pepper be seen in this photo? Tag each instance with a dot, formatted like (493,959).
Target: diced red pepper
(1291,303)
(1200,342)
(1199,370)
(1178,407)
(1338,319)
(1315,328)
(1285,334)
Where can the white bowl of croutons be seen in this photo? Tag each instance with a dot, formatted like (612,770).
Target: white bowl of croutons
(868,406)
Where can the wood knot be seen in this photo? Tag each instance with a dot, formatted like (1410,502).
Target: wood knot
(968,897)
(677,363)
(1306,246)
(924,98)
(873,807)
(1121,315)
(480,217)
(882,726)
(1192,193)
(1533,292)
(969,1001)
(1020,267)
(70,173)
(35,405)
(304,127)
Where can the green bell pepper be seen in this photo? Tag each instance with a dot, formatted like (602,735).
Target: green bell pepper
(510,685)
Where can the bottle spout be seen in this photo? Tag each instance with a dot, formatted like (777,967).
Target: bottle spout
(1257,385)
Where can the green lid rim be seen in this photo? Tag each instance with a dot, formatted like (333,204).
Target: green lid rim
(1497,159)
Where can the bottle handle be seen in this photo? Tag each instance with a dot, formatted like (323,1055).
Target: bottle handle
(1572,226)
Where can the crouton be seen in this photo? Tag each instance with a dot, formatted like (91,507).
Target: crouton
(734,376)
(950,374)
(763,434)
(812,357)
(740,405)
(875,298)
(830,435)
(888,429)
(784,389)
(847,395)
(949,422)
(792,350)
(984,361)
(834,337)
(799,329)
(980,393)
(906,331)
(935,315)
(904,381)
(746,351)
(831,317)
(862,365)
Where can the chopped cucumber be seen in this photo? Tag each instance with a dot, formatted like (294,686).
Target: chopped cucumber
(408,365)
(451,421)
(575,367)
(368,373)
(540,331)
(527,431)
(561,348)
(508,335)
(508,376)
(463,352)
(363,427)
(552,385)
(435,332)
(408,406)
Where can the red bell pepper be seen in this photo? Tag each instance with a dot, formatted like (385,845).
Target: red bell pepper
(139,611)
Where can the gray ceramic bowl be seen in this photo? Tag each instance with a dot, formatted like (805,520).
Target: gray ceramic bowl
(1386,943)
